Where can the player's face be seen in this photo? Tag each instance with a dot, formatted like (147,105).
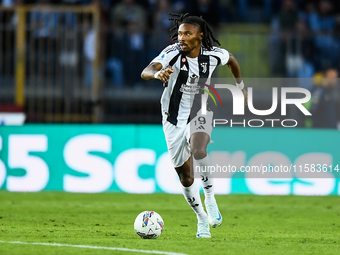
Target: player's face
(189,37)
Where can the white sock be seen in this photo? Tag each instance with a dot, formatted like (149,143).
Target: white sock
(207,180)
(193,198)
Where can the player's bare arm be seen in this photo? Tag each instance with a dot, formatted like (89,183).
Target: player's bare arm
(154,67)
(236,71)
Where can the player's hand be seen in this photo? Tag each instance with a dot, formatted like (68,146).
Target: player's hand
(164,75)
(245,94)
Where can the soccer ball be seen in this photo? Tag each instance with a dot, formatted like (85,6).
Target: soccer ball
(149,225)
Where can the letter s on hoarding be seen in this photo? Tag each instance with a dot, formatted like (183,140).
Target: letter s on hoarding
(265,185)
(77,157)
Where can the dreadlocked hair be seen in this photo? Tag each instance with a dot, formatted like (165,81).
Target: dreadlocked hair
(208,37)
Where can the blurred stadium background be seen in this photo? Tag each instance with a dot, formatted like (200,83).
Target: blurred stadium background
(77,62)
(80,61)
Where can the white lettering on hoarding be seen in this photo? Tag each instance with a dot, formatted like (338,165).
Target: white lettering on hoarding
(269,186)
(237,159)
(166,176)
(126,167)
(37,172)
(98,169)
(317,183)
(130,163)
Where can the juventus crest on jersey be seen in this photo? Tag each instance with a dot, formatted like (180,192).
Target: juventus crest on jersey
(190,74)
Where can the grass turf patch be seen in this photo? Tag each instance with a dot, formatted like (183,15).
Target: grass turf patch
(251,224)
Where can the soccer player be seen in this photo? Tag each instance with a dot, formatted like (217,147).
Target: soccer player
(179,66)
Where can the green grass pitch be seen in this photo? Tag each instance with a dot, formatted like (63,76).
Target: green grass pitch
(251,224)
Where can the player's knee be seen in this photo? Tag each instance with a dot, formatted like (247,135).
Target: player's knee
(185,178)
(199,153)
(186,181)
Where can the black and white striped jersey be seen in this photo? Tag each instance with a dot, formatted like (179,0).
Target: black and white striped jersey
(179,92)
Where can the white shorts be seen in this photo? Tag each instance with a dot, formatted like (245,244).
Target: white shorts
(178,138)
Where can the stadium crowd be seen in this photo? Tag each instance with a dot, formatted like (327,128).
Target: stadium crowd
(305,36)
(304,40)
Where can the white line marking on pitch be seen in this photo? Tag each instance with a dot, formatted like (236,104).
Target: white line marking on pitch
(96,247)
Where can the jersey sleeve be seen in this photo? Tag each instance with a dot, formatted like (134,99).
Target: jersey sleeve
(221,54)
(224,56)
(166,55)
